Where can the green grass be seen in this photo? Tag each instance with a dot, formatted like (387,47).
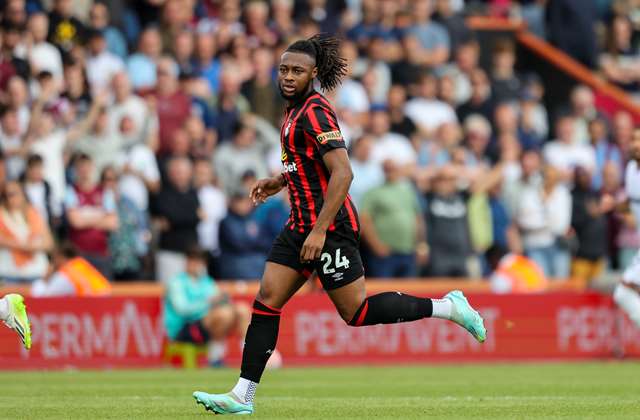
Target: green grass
(579,391)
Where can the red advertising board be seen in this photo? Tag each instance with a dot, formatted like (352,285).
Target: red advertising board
(128,332)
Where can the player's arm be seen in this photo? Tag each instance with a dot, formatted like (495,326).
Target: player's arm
(337,162)
(267,187)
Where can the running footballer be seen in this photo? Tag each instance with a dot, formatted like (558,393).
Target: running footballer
(323,232)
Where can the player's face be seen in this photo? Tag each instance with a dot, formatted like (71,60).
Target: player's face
(295,74)
(635,145)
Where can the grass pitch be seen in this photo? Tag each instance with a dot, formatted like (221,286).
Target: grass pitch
(580,391)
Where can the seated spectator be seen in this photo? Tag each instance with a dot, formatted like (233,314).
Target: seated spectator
(38,191)
(242,244)
(543,215)
(43,56)
(24,237)
(433,37)
(70,275)
(393,226)
(388,145)
(214,206)
(565,155)
(101,64)
(426,111)
(177,213)
(480,100)
(99,21)
(197,311)
(92,215)
(400,123)
(129,243)
(505,84)
(589,221)
(141,66)
(232,159)
(367,173)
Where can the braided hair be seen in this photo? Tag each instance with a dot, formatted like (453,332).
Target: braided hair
(325,50)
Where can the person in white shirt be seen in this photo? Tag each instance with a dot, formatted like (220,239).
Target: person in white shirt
(214,204)
(427,111)
(43,56)
(18,96)
(388,145)
(564,154)
(367,174)
(543,215)
(101,64)
(627,292)
(13,144)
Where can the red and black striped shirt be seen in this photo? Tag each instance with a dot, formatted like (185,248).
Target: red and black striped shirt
(310,130)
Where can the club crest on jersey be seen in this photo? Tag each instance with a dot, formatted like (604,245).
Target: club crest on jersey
(329,135)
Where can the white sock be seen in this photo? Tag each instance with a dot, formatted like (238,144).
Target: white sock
(441,308)
(245,390)
(216,350)
(4,309)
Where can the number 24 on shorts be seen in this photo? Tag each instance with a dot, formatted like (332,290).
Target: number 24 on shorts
(340,261)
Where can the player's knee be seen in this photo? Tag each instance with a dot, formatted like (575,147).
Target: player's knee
(352,315)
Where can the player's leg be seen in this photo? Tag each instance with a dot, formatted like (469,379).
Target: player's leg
(627,293)
(13,313)
(278,284)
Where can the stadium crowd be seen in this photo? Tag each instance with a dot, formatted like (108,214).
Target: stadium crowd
(133,130)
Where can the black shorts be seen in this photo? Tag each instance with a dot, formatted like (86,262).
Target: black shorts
(193,332)
(339,263)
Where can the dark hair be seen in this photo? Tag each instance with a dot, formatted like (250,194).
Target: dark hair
(196,253)
(34,159)
(324,50)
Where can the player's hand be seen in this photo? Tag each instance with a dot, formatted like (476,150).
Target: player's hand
(265,188)
(312,247)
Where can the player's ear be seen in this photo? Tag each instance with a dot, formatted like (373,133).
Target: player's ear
(314,72)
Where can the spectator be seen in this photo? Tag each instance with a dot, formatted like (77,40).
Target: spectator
(351,97)
(19,100)
(176,209)
(393,226)
(454,22)
(172,104)
(65,30)
(233,159)
(206,65)
(570,26)
(229,105)
(367,173)
(505,84)
(76,88)
(141,66)
(13,144)
(243,246)
(92,215)
(622,132)
(70,275)
(101,64)
(261,90)
(142,125)
(543,215)
(480,100)
(426,111)
(11,64)
(38,191)
(605,151)
(43,56)
(24,237)
(400,123)
(214,205)
(620,61)
(564,155)
(127,244)
(197,311)
(433,37)
(99,21)
(466,62)
(589,221)
(584,110)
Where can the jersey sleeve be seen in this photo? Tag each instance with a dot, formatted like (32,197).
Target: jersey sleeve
(322,126)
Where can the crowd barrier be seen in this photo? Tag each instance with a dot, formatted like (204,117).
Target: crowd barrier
(127,331)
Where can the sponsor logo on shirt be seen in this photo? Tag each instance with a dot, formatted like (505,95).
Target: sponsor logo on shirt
(329,135)
(290,167)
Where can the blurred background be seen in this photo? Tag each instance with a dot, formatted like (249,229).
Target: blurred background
(488,141)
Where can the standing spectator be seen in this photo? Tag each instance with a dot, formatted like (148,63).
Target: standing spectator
(543,215)
(43,56)
(243,246)
(101,64)
(177,211)
(65,30)
(393,226)
(99,20)
(24,237)
(367,173)
(173,106)
(141,66)
(129,243)
(589,221)
(92,215)
(565,155)
(214,205)
(235,158)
